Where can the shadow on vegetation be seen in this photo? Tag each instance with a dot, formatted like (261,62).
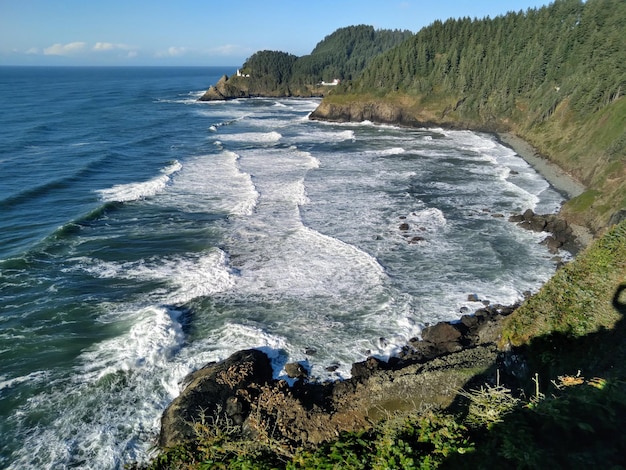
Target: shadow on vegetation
(572,409)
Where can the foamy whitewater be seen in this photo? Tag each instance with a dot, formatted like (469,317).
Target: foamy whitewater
(144,234)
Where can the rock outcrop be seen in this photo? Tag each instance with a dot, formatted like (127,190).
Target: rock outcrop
(380,112)
(561,234)
(225,89)
(229,88)
(408,114)
(240,391)
(228,387)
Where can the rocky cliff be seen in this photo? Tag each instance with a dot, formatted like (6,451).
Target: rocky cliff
(240,392)
(228,88)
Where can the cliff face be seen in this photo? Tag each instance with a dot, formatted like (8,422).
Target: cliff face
(246,87)
(402,110)
(227,89)
(380,112)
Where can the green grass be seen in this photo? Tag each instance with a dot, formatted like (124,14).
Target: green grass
(578,299)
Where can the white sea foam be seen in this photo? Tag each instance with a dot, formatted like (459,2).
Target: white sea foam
(189,276)
(135,191)
(214,183)
(322,134)
(393,151)
(98,417)
(429,219)
(308,264)
(37,376)
(154,337)
(253,137)
(310,257)
(190,98)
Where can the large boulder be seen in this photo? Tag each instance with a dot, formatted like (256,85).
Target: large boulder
(295,370)
(227,387)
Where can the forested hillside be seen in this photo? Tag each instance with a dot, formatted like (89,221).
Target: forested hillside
(345,53)
(340,55)
(555,76)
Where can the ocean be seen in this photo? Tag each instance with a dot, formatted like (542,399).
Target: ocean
(144,234)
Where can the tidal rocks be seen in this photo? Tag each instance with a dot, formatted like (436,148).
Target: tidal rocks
(481,328)
(561,234)
(295,370)
(240,391)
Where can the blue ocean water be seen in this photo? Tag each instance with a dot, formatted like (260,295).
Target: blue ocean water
(144,233)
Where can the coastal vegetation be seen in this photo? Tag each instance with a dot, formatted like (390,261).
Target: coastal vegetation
(555,396)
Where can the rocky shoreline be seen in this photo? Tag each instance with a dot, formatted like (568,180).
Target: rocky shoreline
(396,114)
(241,391)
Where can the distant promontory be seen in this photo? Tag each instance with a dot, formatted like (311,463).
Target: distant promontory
(340,56)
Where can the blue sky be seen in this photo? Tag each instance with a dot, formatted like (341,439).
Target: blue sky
(194,32)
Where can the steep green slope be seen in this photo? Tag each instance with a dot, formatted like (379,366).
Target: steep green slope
(555,76)
(345,53)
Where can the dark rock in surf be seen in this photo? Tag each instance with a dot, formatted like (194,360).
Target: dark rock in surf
(226,387)
(240,391)
(562,236)
(295,370)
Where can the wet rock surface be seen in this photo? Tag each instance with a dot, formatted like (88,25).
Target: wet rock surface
(428,373)
(562,236)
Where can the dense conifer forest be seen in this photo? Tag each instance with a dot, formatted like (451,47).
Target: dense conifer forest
(341,55)
(569,50)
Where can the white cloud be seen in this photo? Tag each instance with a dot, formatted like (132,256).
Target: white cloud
(227,49)
(172,52)
(65,49)
(32,50)
(109,46)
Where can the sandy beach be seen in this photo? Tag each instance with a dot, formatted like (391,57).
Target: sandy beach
(560,180)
